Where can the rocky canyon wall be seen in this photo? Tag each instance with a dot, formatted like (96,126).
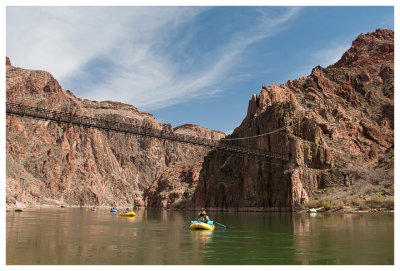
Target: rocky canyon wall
(54,164)
(338,120)
(337,124)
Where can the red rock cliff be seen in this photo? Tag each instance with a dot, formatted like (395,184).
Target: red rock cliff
(338,118)
(58,164)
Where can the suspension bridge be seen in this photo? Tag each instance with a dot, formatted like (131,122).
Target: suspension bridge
(225,145)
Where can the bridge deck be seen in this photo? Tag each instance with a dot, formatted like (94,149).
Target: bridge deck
(64,117)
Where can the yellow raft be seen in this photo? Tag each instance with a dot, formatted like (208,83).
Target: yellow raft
(127,214)
(197,225)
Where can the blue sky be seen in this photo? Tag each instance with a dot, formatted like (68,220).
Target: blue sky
(190,64)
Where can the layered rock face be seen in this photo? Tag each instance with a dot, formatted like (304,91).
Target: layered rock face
(59,164)
(337,125)
(337,120)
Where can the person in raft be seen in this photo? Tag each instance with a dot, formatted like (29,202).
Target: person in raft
(127,210)
(203,217)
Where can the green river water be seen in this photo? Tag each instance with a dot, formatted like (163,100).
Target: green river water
(77,236)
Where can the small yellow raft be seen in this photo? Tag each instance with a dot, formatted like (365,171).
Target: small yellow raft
(197,225)
(130,214)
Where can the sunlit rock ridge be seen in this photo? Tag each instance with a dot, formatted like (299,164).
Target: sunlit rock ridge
(340,129)
(52,164)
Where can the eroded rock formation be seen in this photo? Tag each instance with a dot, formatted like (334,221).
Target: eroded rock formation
(338,124)
(59,164)
(338,119)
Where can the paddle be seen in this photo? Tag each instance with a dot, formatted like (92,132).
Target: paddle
(220,224)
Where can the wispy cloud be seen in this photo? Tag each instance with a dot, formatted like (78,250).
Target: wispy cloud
(323,57)
(127,54)
(60,40)
(328,56)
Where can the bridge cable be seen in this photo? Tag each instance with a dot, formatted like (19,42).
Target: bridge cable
(247,137)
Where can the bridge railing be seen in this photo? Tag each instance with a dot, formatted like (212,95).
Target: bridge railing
(99,123)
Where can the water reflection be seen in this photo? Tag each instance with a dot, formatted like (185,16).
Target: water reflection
(79,236)
(128,219)
(313,214)
(347,238)
(201,237)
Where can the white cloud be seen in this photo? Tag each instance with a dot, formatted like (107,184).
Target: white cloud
(155,83)
(63,40)
(59,40)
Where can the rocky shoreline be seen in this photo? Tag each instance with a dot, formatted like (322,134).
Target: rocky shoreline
(311,211)
(346,209)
